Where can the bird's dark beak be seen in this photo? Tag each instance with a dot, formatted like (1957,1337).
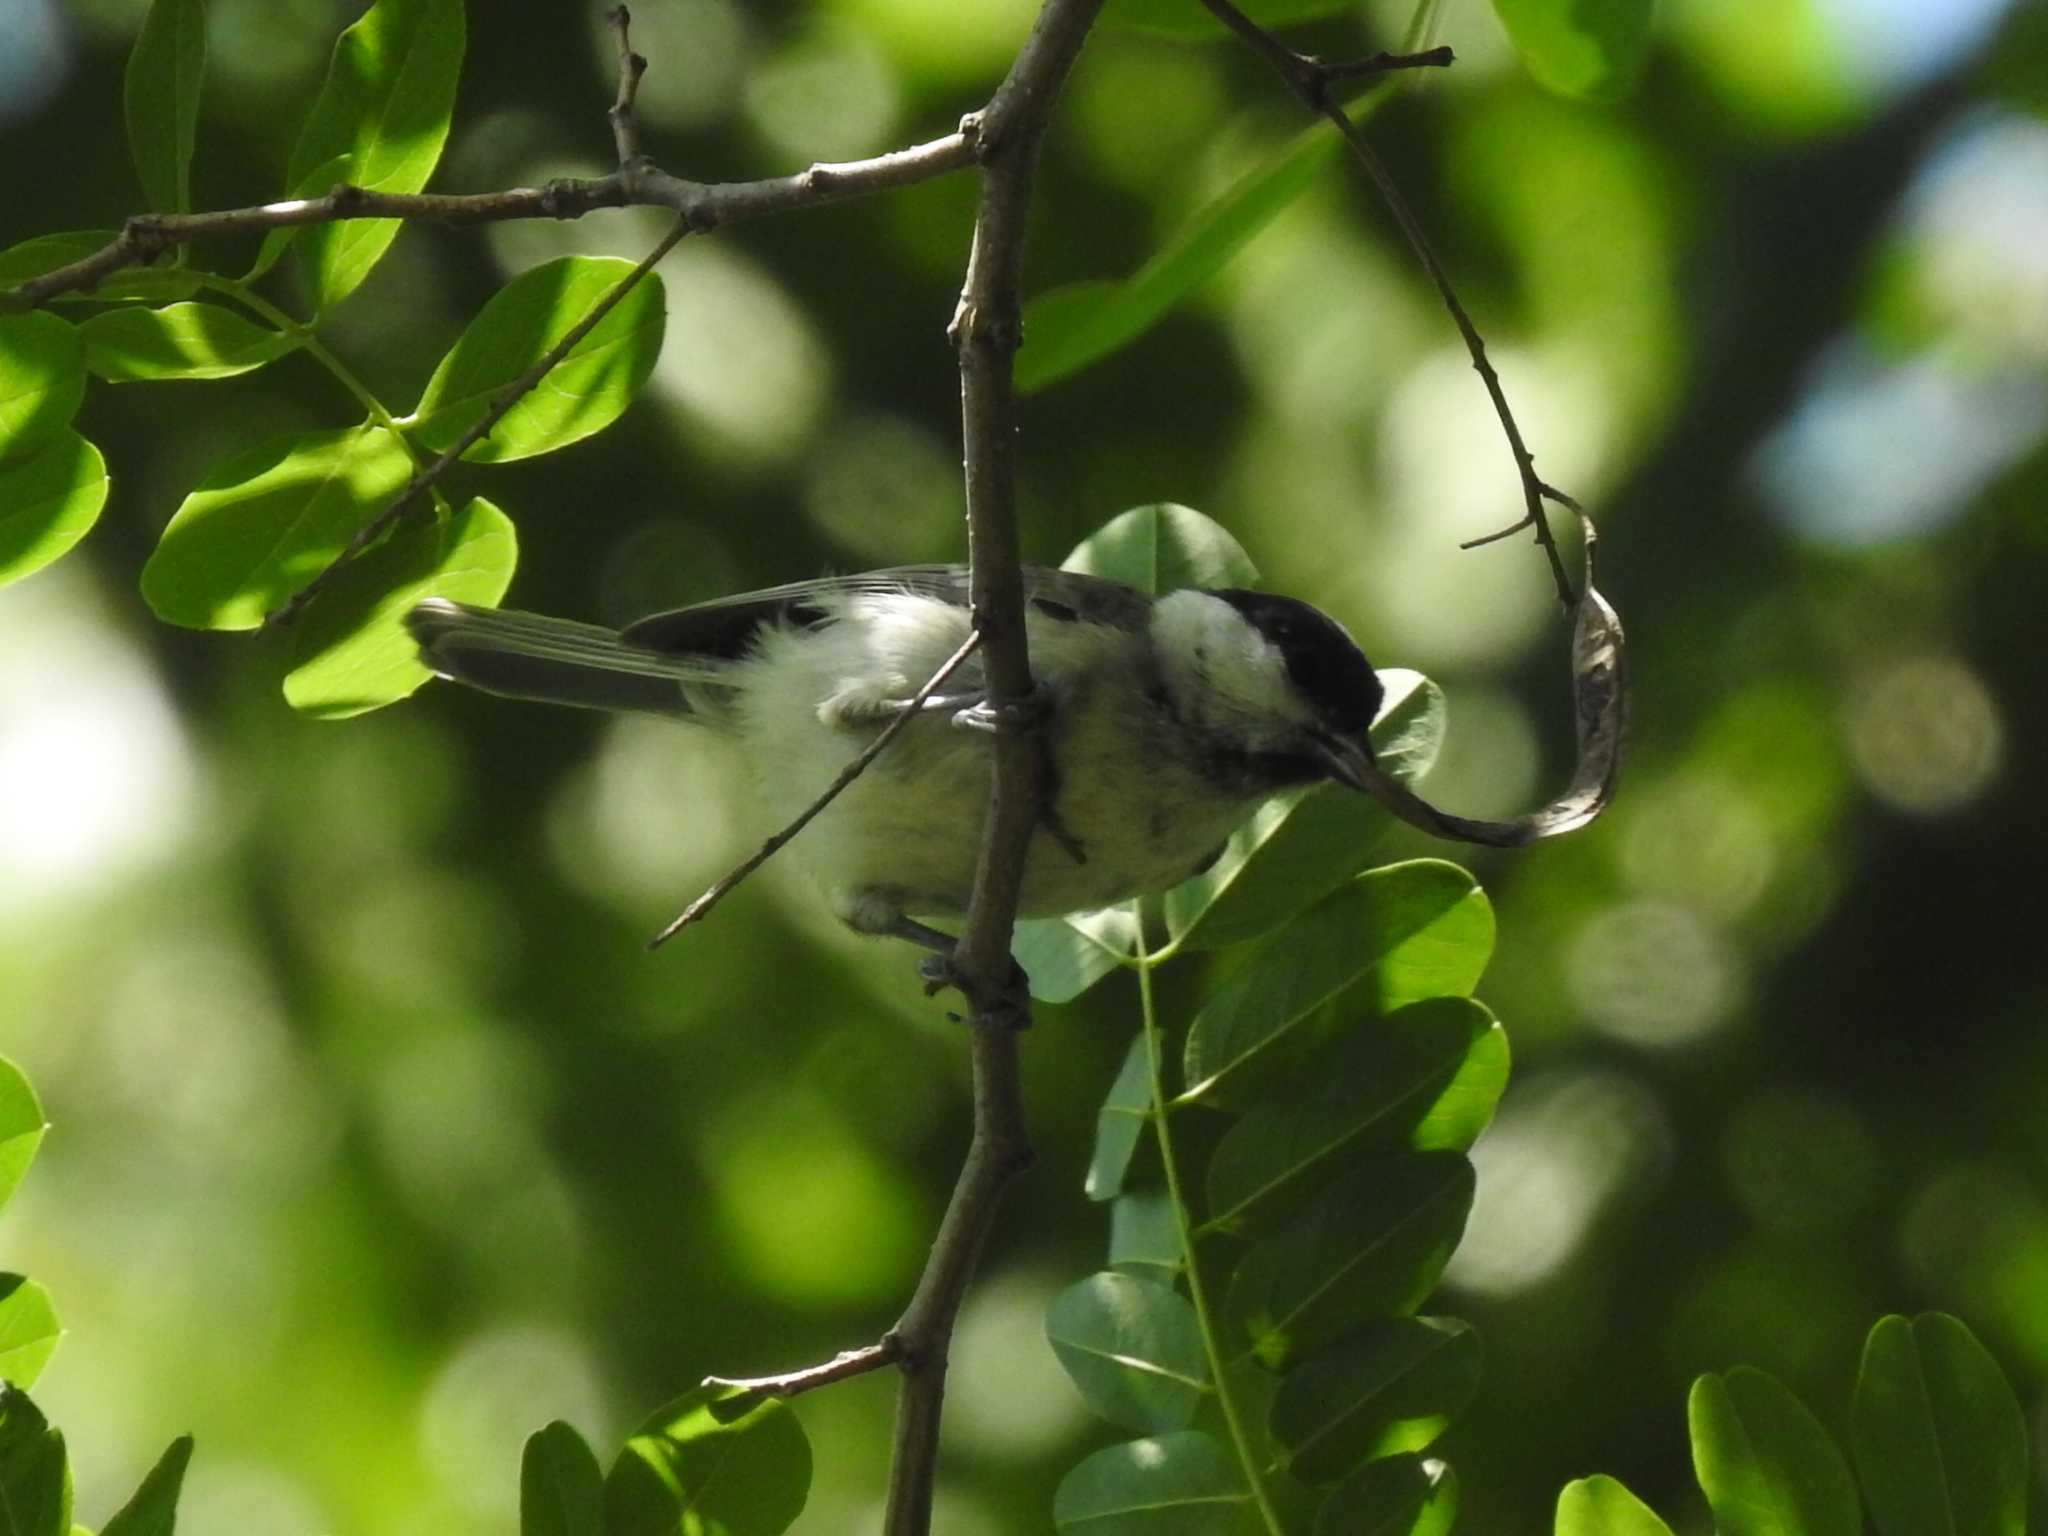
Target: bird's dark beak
(1347,760)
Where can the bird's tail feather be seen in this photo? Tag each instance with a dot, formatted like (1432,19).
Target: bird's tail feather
(558,661)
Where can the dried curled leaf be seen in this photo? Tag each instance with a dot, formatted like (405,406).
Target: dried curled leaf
(1600,703)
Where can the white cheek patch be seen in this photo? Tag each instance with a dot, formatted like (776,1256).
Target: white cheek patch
(1217,665)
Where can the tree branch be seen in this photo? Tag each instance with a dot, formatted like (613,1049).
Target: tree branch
(1310,79)
(702,206)
(987,330)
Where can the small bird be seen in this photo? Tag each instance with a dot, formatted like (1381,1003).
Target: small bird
(1165,720)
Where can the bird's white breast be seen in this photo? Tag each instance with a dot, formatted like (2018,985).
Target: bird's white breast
(907,832)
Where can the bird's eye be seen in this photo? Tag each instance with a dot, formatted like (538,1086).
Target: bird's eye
(1304,668)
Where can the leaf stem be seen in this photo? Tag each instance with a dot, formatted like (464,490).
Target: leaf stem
(1198,1295)
(308,338)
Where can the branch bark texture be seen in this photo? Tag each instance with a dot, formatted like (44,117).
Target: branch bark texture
(987,330)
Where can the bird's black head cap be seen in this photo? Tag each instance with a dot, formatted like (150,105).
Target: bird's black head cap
(1322,661)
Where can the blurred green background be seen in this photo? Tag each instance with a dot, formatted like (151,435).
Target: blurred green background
(378,1139)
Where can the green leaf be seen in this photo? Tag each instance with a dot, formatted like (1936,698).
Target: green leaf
(1763,1461)
(1162,548)
(1300,846)
(1395,1496)
(1182,1484)
(1169,19)
(1390,937)
(48,503)
(266,521)
(1939,1439)
(1143,1233)
(153,1511)
(42,380)
(1428,1076)
(1600,1506)
(379,123)
(1068,328)
(716,1460)
(1587,48)
(35,1475)
(166,70)
(1125,1112)
(561,1490)
(21,1113)
(182,341)
(46,253)
(28,1330)
(582,394)
(1369,1247)
(1133,1347)
(351,653)
(1394,1386)
(1065,956)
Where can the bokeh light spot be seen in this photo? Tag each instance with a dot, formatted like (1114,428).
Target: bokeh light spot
(829,95)
(1653,973)
(1006,1394)
(489,1396)
(1925,735)
(809,1212)
(97,780)
(1563,1145)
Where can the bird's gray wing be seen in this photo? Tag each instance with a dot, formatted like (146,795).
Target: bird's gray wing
(724,627)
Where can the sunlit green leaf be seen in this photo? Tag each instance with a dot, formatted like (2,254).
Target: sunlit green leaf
(1182,1484)
(28,1330)
(1420,929)
(1133,1347)
(48,503)
(1395,1496)
(1298,847)
(153,1510)
(561,1489)
(166,70)
(351,653)
(1369,1247)
(1763,1461)
(42,380)
(1427,1075)
(1939,1439)
(21,1113)
(1125,1112)
(716,1460)
(1066,329)
(266,521)
(1600,1506)
(181,341)
(1144,1234)
(379,123)
(1393,1386)
(46,253)
(1162,548)
(1065,956)
(35,1475)
(1590,48)
(582,394)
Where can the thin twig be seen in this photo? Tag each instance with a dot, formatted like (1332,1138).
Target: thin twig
(625,129)
(843,1366)
(1309,78)
(501,403)
(838,786)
